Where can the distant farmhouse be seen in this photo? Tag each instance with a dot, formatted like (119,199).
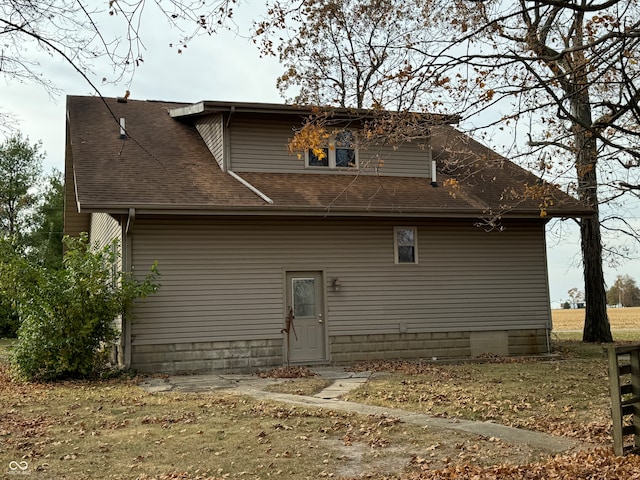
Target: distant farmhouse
(267,256)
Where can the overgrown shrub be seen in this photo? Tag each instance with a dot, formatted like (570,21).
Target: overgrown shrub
(9,322)
(67,315)
(9,319)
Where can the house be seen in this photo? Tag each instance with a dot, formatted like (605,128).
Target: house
(375,261)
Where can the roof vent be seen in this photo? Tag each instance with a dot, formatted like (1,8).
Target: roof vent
(121,99)
(123,132)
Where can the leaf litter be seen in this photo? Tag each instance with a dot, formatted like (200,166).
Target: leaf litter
(51,424)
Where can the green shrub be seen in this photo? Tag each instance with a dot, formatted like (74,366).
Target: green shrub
(9,322)
(67,315)
(9,319)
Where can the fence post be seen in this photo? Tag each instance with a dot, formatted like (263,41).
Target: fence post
(624,386)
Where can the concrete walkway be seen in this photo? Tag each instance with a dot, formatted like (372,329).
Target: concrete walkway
(343,383)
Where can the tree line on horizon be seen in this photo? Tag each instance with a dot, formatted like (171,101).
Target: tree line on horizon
(623,293)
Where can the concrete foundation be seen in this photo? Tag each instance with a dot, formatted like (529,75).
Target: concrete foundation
(252,355)
(437,345)
(237,357)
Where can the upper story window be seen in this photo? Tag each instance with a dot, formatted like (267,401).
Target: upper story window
(405,244)
(340,152)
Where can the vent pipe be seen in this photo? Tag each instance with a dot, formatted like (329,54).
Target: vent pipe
(434,182)
(123,132)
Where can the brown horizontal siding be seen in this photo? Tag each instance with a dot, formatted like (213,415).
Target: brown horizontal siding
(262,147)
(407,160)
(223,279)
(258,146)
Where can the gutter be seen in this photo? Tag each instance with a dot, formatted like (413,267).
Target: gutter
(208,209)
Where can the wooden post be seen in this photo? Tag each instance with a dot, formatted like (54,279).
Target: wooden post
(616,407)
(621,406)
(635,392)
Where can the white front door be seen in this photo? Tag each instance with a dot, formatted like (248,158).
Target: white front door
(305,298)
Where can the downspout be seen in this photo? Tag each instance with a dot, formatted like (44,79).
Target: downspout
(250,187)
(232,110)
(434,178)
(226,142)
(130,220)
(430,159)
(127,267)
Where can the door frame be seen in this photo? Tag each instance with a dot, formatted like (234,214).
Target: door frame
(285,306)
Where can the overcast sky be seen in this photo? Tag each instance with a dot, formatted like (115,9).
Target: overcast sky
(223,67)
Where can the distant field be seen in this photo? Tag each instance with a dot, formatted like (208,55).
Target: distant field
(620,319)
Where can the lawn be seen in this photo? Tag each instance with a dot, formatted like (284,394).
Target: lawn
(113,429)
(567,395)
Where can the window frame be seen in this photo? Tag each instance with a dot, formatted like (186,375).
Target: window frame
(396,256)
(293,295)
(331,149)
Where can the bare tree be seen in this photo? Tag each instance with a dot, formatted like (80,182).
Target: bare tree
(355,54)
(564,75)
(80,32)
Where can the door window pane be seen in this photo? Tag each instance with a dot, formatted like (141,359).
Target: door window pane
(304,297)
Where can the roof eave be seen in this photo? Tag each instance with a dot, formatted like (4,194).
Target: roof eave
(209,107)
(166,209)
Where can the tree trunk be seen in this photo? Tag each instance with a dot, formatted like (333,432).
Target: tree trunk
(596,322)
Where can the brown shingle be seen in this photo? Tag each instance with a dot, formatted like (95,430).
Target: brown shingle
(165,164)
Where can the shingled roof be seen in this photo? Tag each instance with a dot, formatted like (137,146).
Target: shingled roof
(166,167)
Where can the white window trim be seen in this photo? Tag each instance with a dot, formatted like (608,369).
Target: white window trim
(331,148)
(396,259)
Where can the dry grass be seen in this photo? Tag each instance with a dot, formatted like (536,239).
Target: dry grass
(113,429)
(567,396)
(620,319)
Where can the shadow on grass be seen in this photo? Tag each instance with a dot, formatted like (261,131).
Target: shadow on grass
(570,344)
(5,348)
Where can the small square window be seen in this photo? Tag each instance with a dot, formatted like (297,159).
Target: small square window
(340,152)
(406,244)
(345,145)
(316,161)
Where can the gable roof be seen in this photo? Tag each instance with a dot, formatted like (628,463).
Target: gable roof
(164,166)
